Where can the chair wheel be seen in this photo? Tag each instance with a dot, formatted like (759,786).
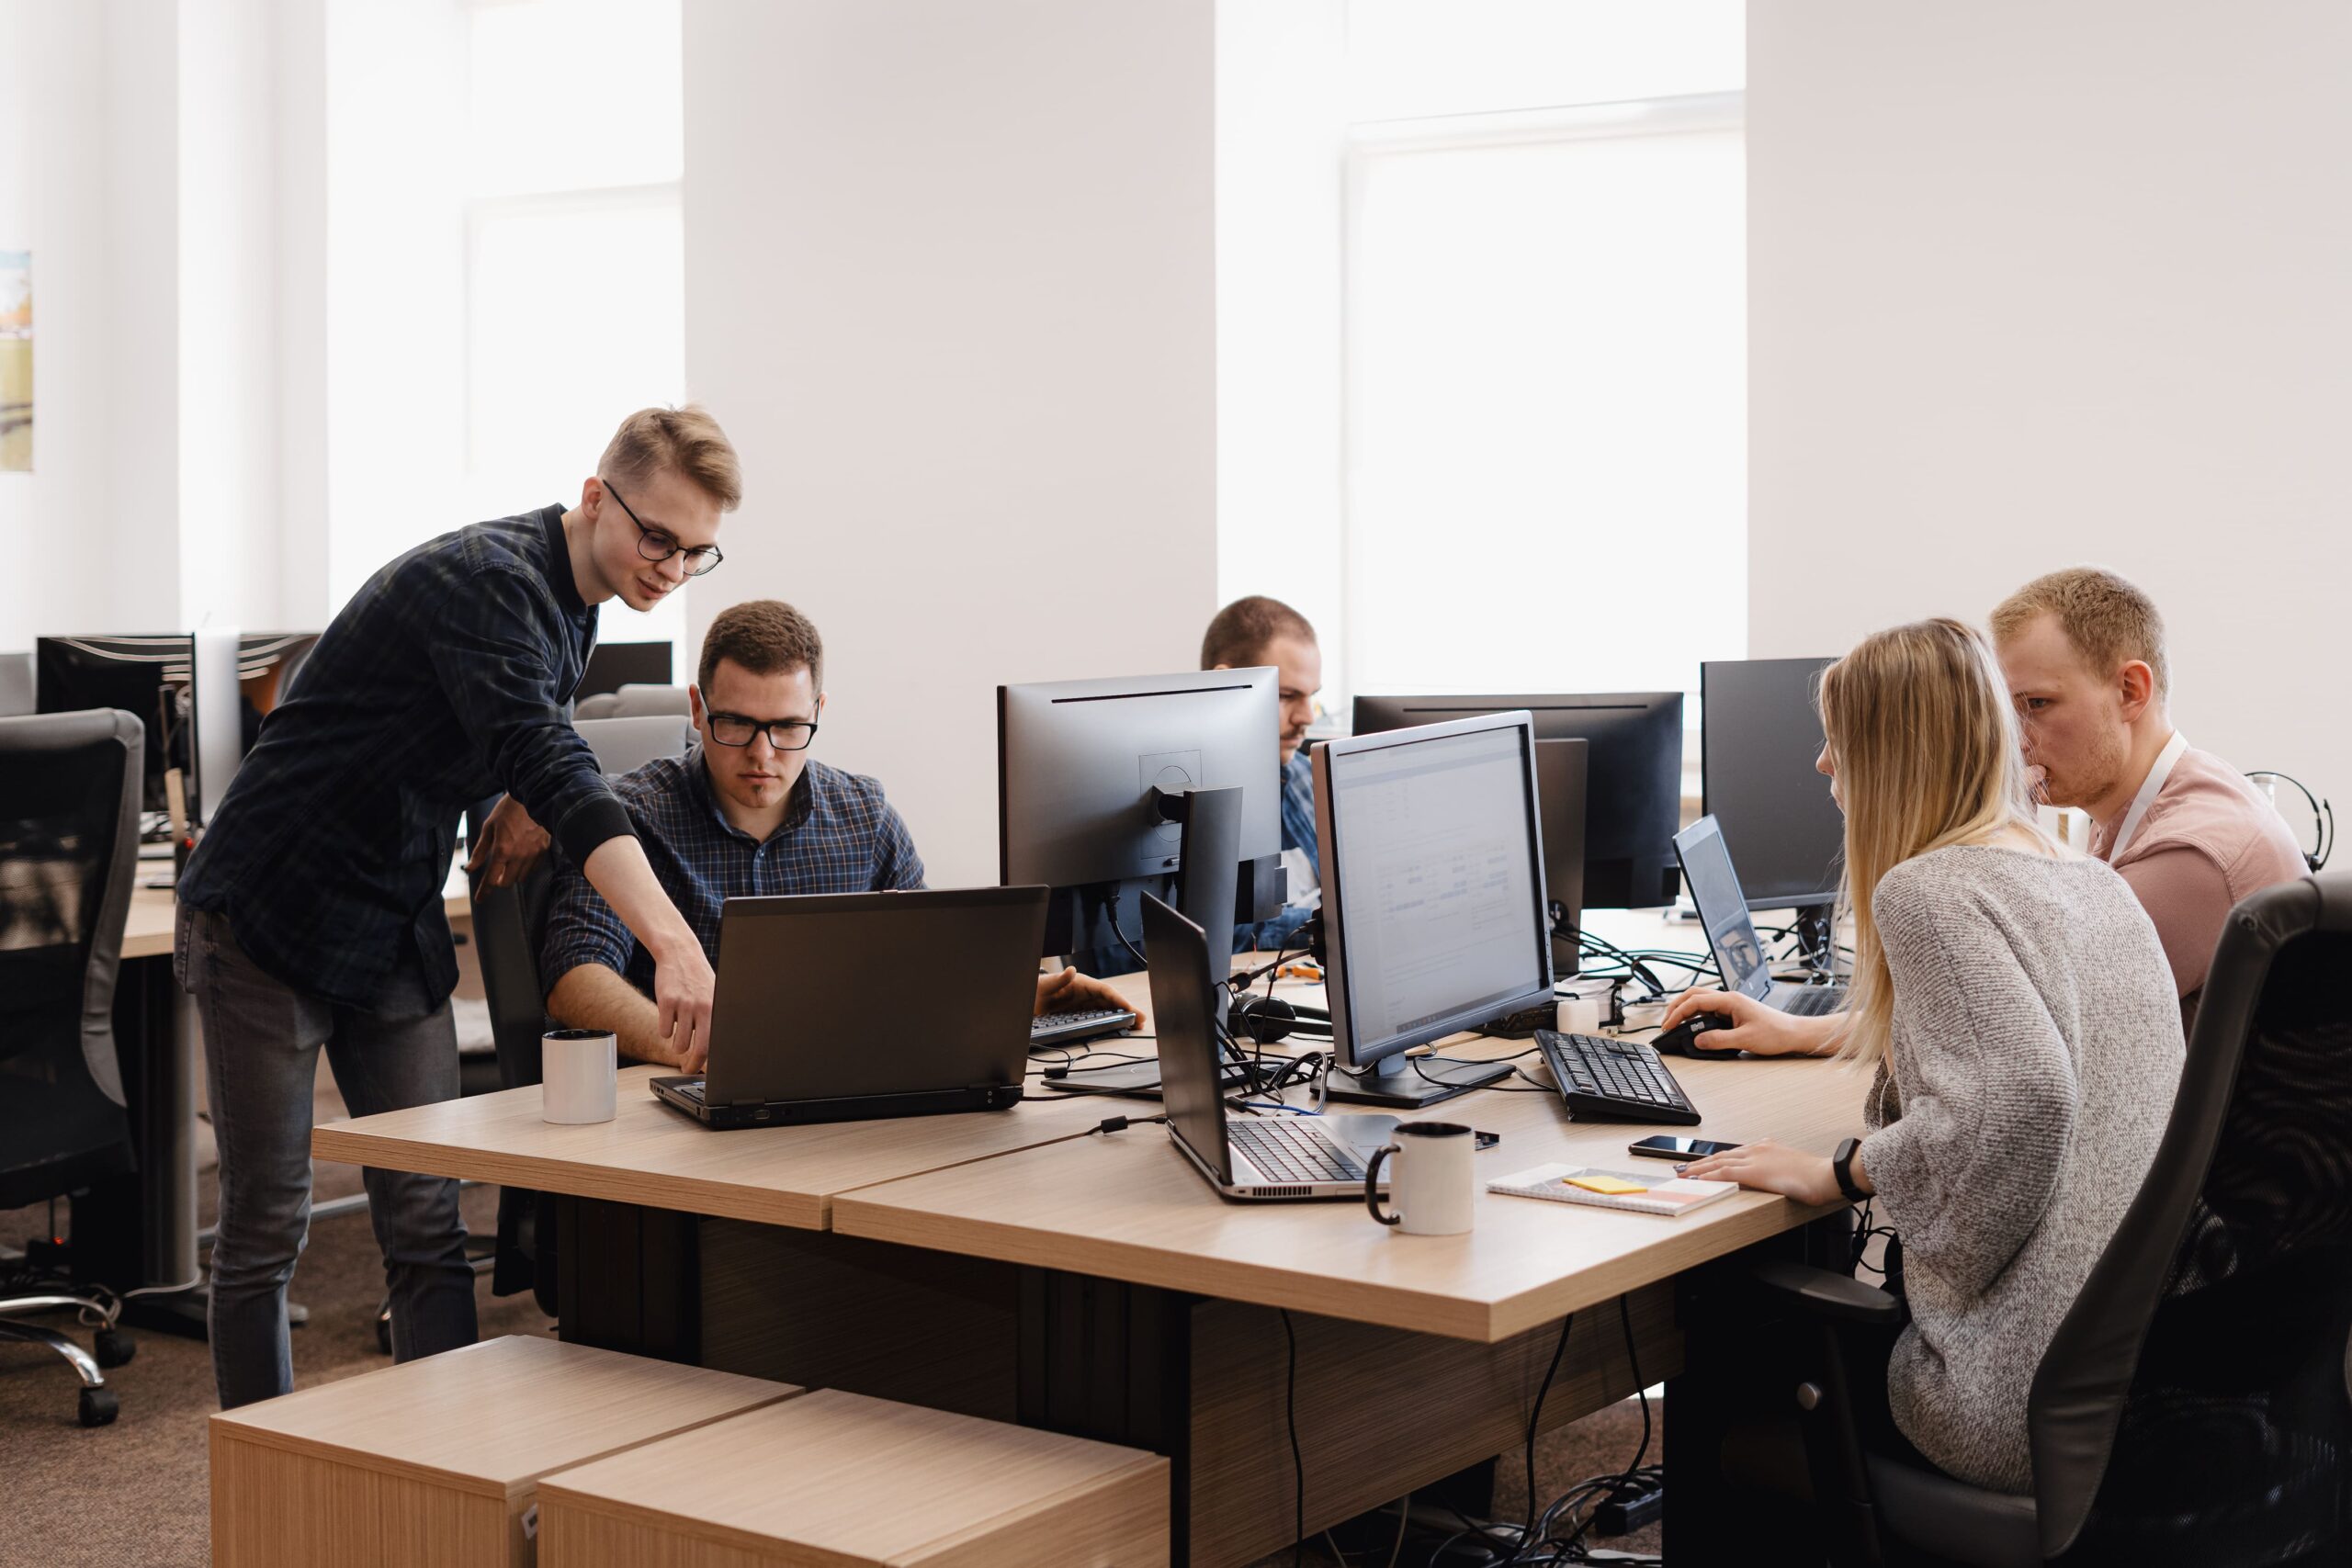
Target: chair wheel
(115,1348)
(99,1407)
(384,1329)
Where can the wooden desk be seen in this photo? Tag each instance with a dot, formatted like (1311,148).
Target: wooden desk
(147,931)
(1009,1266)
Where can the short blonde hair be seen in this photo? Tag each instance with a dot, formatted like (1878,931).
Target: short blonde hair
(2108,622)
(1925,741)
(684,441)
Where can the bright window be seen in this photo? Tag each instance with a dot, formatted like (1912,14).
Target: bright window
(575,292)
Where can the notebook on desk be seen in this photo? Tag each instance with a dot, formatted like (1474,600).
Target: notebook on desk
(842,1007)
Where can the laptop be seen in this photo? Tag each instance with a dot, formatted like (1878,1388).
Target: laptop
(1273,1156)
(819,1014)
(1722,910)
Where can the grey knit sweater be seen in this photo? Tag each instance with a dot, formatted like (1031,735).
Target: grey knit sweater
(2035,1053)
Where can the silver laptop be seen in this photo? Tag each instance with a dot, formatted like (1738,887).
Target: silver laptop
(1275,1157)
(1722,910)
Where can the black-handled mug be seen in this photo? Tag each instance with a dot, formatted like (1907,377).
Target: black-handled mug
(1431,1178)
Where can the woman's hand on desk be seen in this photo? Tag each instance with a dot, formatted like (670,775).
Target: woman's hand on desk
(1756,1028)
(1768,1166)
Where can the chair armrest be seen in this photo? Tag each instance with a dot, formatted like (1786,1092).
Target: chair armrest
(1819,1293)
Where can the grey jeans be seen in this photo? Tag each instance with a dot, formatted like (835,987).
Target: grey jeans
(261,1048)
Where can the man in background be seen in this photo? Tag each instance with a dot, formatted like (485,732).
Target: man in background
(1255,631)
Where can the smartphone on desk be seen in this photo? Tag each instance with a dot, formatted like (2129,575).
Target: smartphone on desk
(1679,1148)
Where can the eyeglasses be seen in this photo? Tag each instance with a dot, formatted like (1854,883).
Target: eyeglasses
(784,734)
(660,544)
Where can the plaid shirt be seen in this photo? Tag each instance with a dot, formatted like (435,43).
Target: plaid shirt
(1298,833)
(839,836)
(442,682)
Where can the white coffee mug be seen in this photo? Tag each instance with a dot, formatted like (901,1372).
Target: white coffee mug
(578,1071)
(1431,1181)
(1577,1015)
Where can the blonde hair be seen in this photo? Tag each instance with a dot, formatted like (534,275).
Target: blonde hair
(684,441)
(1925,742)
(2107,620)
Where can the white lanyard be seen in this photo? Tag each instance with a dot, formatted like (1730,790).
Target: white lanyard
(2149,789)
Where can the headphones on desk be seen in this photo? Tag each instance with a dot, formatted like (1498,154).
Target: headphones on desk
(1262,1020)
(2323,818)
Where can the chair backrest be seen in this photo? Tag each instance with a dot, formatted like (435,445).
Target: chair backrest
(636,701)
(70,788)
(624,745)
(2193,1407)
(15,684)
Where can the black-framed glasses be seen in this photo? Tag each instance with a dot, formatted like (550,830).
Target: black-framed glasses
(784,734)
(660,544)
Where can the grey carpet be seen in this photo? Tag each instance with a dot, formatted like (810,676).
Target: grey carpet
(137,1492)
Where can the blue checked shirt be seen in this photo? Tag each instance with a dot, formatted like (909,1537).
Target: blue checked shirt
(441,683)
(1298,833)
(839,836)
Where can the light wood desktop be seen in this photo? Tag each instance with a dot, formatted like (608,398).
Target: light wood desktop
(1010,1265)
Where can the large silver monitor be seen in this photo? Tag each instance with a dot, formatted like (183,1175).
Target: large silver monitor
(1090,774)
(1434,915)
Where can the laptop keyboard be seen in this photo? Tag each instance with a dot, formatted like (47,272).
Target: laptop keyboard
(1810,1001)
(1291,1148)
(1613,1080)
(690,1087)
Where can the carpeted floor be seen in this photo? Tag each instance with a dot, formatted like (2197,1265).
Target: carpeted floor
(136,1492)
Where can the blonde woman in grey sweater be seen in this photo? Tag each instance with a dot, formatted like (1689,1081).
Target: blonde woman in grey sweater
(2017,1011)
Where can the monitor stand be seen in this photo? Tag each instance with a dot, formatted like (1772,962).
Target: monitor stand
(1408,1082)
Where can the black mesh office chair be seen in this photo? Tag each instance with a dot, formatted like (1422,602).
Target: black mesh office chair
(69,843)
(2193,1409)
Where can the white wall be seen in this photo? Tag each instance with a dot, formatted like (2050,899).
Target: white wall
(1280,135)
(2034,285)
(950,286)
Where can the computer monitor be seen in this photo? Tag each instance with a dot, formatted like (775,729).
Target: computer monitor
(1102,784)
(1434,916)
(1633,783)
(1758,736)
(611,665)
(1560,769)
(149,676)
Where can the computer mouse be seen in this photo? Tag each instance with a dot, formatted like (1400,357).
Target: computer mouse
(1681,1040)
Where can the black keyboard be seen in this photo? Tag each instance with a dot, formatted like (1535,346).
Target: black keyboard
(1289,1148)
(1071,1028)
(1614,1080)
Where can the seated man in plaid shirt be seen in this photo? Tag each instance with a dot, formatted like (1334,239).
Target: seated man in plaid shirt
(746,812)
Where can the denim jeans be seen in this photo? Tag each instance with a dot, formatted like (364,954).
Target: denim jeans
(260,1047)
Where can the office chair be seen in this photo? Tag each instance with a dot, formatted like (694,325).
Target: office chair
(635,700)
(69,841)
(624,745)
(2193,1406)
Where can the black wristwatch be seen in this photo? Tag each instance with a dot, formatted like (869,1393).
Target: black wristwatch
(1841,1166)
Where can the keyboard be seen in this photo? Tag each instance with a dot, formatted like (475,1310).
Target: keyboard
(1071,1028)
(1809,1001)
(1291,1148)
(1614,1080)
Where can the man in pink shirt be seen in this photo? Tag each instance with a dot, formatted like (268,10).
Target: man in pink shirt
(2084,652)
(2084,655)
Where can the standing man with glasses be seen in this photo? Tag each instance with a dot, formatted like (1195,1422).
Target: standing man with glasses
(747,813)
(311,916)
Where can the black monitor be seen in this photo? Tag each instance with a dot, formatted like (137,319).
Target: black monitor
(611,665)
(1632,778)
(1434,916)
(149,676)
(1759,734)
(1110,789)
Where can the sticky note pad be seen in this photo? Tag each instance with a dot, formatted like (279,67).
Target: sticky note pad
(1612,1185)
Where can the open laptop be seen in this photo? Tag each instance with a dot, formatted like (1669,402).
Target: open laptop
(1275,1157)
(816,1017)
(1722,910)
